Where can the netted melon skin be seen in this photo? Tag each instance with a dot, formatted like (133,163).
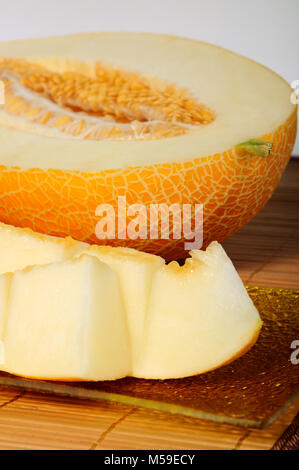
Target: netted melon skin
(232,187)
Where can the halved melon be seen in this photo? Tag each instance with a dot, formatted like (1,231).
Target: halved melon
(158,119)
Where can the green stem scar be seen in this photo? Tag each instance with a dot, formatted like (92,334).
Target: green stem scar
(261,148)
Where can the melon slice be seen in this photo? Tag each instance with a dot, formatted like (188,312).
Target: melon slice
(135,271)
(66,321)
(112,312)
(23,247)
(91,117)
(5,281)
(199,317)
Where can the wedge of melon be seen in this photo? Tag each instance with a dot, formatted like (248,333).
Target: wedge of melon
(5,281)
(159,119)
(66,321)
(112,312)
(23,247)
(199,317)
(135,271)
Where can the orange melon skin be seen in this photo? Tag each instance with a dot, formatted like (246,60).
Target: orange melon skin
(232,187)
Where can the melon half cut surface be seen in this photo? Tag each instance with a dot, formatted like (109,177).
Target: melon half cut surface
(107,313)
(161,120)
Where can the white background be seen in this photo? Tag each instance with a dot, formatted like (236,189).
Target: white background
(265,30)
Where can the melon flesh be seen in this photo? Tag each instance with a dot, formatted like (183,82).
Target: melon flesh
(5,280)
(135,271)
(251,101)
(66,321)
(199,317)
(109,312)
(23,247)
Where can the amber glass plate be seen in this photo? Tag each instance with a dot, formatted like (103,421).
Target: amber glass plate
(252,391)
